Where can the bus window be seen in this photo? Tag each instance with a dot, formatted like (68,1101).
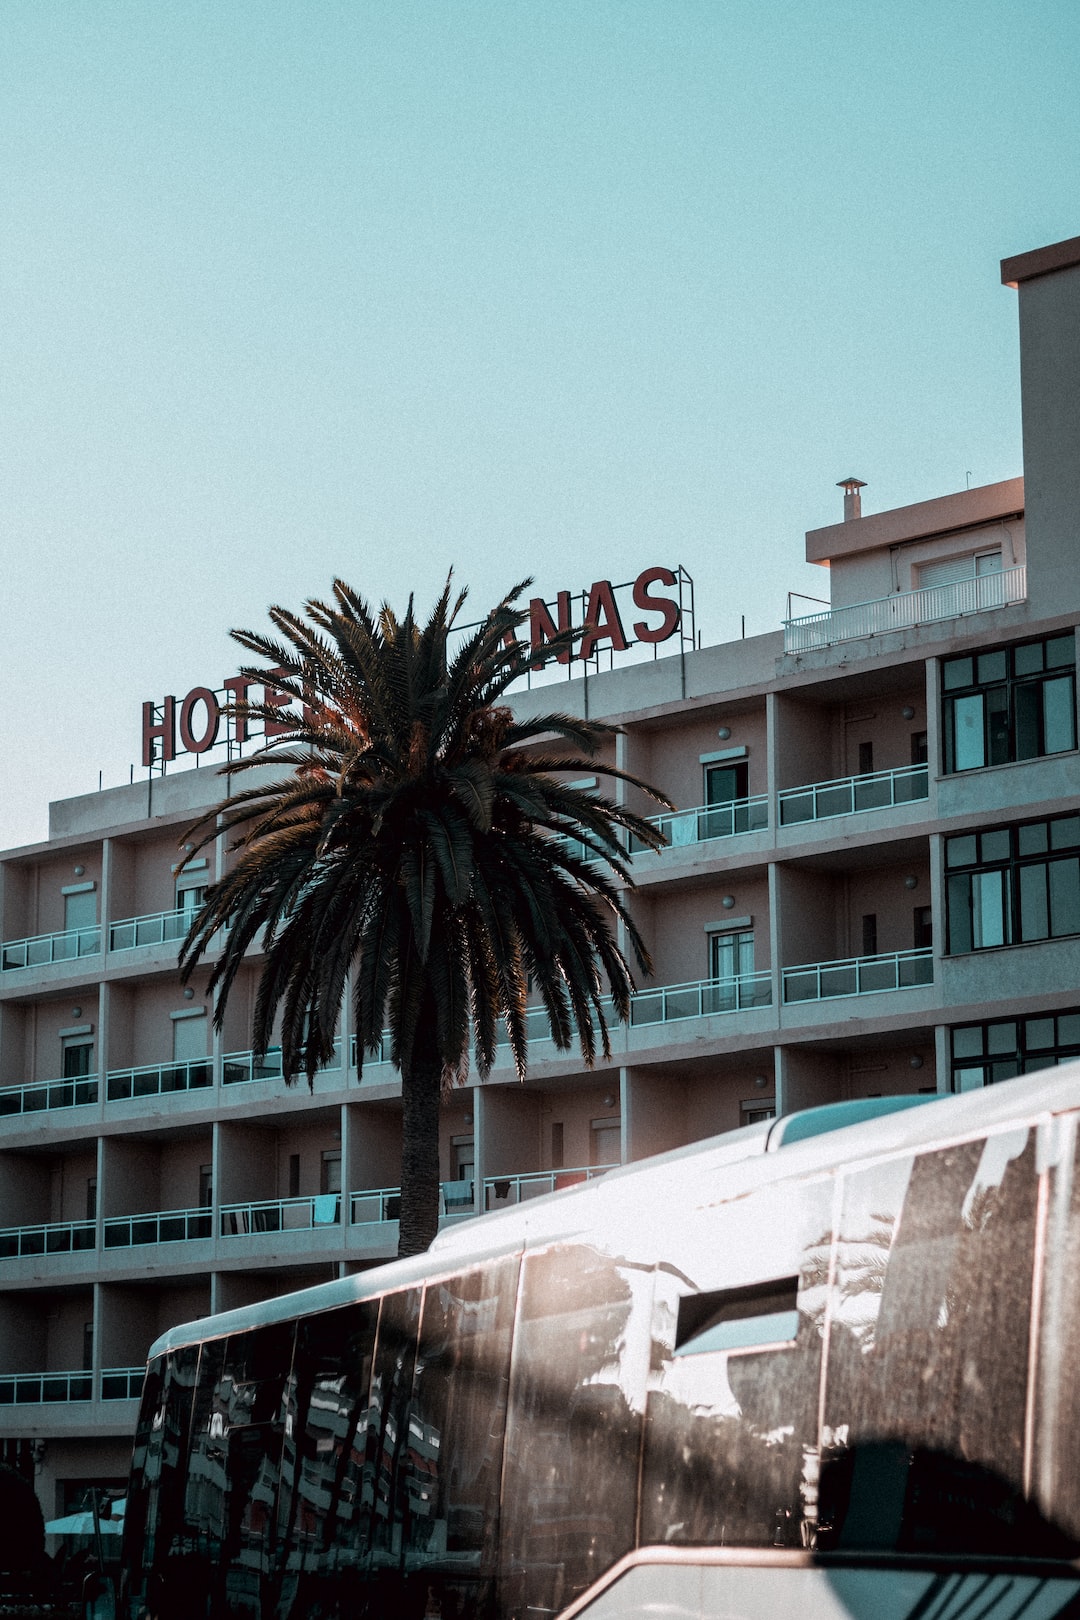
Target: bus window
(731,1436)
(928,1352)
(456,1423)
(153,1523)
(319,1497)
(383,1502)
(577,1392)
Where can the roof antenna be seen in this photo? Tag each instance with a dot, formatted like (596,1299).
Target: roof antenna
(852,498)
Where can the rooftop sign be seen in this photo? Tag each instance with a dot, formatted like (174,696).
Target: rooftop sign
(649,610)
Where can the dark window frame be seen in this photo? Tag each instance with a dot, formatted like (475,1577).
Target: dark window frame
(1014,855)
(1000,1055)
(1006,700)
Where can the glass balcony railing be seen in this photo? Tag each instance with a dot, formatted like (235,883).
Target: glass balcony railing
(40,1095)
(44,949)
(39,1389)
(384,1203)
(240,1067)
(281,1215)
(500,1192)
(121,1383)
(156,928)
(859,975)
(701,998)
(905,609)
(156,1079)
(161,1226)
(709,821)
(60,1237)
(850,794)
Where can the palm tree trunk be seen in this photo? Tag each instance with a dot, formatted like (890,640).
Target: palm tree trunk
(421,1091)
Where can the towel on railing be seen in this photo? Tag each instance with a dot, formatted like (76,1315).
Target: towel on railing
(325,1209)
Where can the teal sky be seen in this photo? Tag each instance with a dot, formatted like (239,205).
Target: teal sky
(293,288)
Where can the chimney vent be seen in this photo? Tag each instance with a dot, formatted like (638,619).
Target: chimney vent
(852,498)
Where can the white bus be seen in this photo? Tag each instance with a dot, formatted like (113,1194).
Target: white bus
(793,1370)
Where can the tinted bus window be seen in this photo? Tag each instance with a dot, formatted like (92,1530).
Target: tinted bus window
(577,1391)
(456,1424)
(386,1441)
(928,1352)
(319,1531)
(731,1439)
(153,1529)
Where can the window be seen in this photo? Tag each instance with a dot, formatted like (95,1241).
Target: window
(983,1054)
(727,782)
(78,1058)
(869,934)
(330,1172)
(922,933)
(1010,703)
(730,955)
(1013,885)
(919,750)
(866,759)
(952,570)
(189,1039)
(294,1175)
(88,1346)
(206,1186)
(606,1141)
(91,1198)
(190,899)
(80,909)
(752,1113)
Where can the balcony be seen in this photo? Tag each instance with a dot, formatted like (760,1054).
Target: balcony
(37,1389)
(156,928)
(45,949)
(157,1079)
(709,821)
(40,1095)
(61,1237)
(501,1192)
(281,1215)
(238,1068)
(859,976)
(849,795)
(122,1383)
(161,1226)
(905,610)
(701,998)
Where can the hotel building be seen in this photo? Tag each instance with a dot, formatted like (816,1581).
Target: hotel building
(871,886)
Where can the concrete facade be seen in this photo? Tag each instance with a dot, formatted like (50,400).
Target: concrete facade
(872,886)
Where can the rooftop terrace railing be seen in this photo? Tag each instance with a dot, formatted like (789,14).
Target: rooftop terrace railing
(39,1095)
(859,975)
(848,795)
(905,609)
(44,949)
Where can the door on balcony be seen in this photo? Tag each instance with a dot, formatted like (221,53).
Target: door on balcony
(189,1040)
(726,786)
(730,957)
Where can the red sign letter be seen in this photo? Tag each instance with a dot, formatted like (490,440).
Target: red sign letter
(602,621)
(188,739)
(273,699)
(542,627)
(655,604)
(237,688)
(166,731)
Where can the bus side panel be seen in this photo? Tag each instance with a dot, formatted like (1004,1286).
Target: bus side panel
(731,1441)
(1057,1460)
(577,1392)
(925,1413)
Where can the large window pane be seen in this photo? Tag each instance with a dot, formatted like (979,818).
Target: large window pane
(577,1396)
(1059,714)
(928,1353)
(1034,913)
(386,1444)
(960,935)
(989,909)
(967,729)
(1065,897)
(1028,705)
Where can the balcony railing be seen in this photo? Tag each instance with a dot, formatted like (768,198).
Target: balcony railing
(121,1383)
(850,794)
(701,998)
(500,1192)
(161,1226)
(859,976)
(37,1389)
(61,1237)
(44,949)
(281,1215)
(384,1203)
(155,1079)
(156,928)
(905,609)
(40,1095)
(240,1067)
(708,821)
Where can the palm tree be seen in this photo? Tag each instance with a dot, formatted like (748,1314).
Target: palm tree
(423,837)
